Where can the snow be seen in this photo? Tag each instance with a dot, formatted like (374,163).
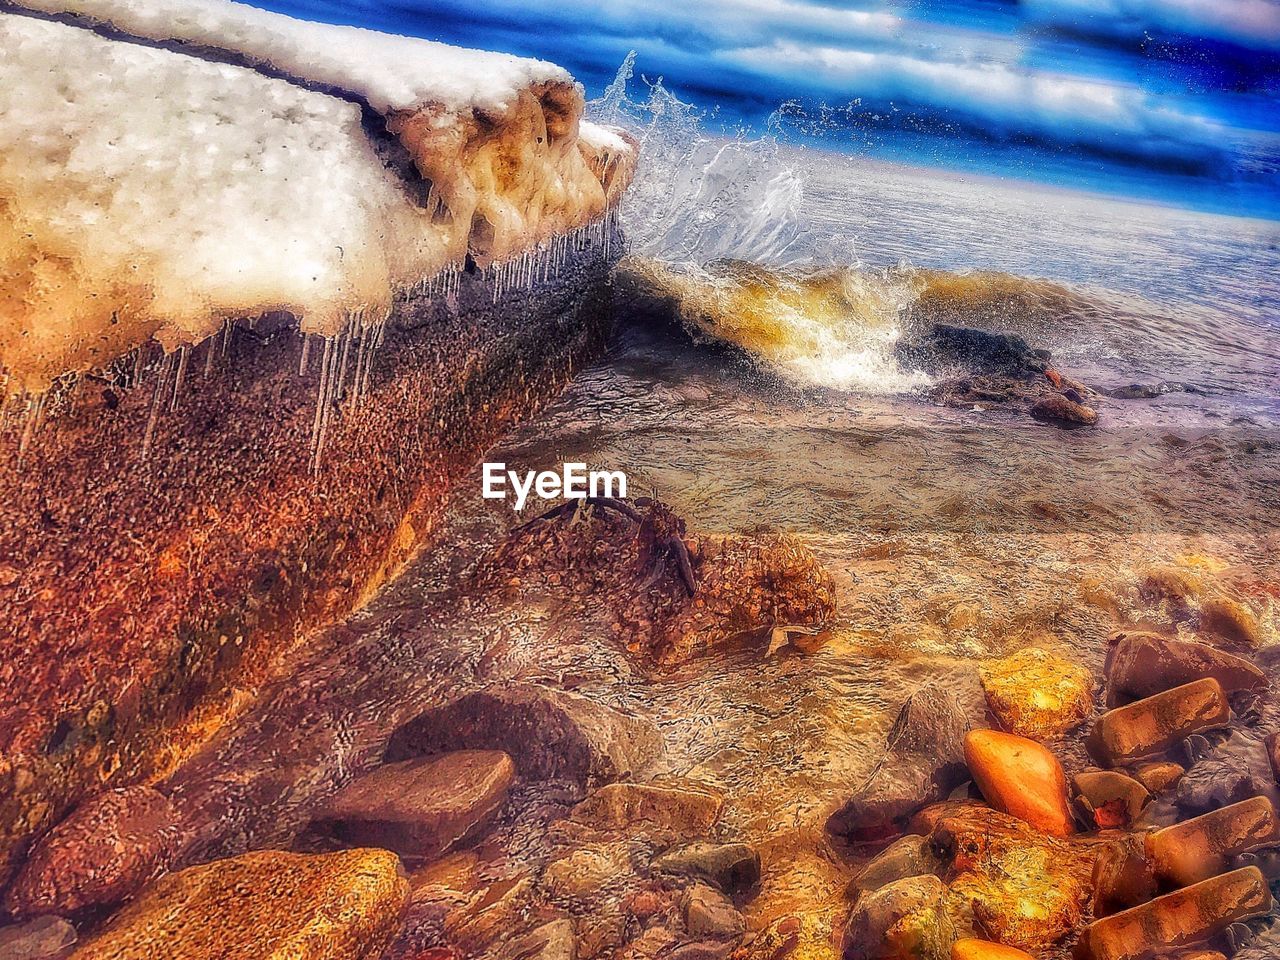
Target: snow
(148,193)
(390,72)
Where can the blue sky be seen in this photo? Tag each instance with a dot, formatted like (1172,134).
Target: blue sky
(1170,99)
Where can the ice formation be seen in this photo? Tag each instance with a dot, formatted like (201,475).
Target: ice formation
(170,164)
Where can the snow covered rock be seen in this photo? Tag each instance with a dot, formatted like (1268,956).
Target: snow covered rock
(170,164)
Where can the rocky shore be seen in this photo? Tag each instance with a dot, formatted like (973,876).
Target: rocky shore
(1039,808)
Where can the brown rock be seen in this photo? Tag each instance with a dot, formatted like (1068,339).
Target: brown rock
(906,919)
(1108,799)
(1021,778)
(421,808)
(1024,888)
(970,949)
(1273,754)
(733,867)
(491,914)
(1143,664)
(1151,726)
(923,762)
(1037,694)
(910,856)
(582,874)
(551,941)
(1197,849)
(1123,876)
(336,906)
(45,938)
(655,810)
(1231,620)
(105,851)
(709,913)
(1158,777)
(1056,408)
(1184,918)
(550,734)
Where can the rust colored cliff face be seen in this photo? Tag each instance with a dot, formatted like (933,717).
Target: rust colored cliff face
(142,592)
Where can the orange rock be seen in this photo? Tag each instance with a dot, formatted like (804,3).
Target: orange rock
(1184,918)
(1021,778)
(1197,849)
(970,949)
(1151,726)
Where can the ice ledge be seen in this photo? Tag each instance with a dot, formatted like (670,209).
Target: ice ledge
(238,161)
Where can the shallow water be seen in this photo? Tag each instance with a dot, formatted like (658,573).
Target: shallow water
(954,536)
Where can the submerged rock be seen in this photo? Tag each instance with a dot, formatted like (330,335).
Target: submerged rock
(1123,876)
(1159,777)
(1184,918)
(733,867)
(1020,886)
(1108,799)
(549,734)
(1197,849)
(103,853)
(551,941)
(336,906)
(1038,694)
(905,920)
(943,347)
(924,760)
(709,913)
(1061,408)
(970,949)
(44,938)
(1152,726)
(909,856)
(655,810)
(1231,620)
(582,874)
(421,808)
(1143,664)
(1021,778)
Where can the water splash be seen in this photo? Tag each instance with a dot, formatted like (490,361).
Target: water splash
(698,197)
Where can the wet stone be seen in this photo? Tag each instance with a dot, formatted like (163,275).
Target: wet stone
(337,906)
(1022,887)
(1061,409)
(103,853)
(1123,876)
(549,734)
(1021,778)
(1184,918)
(584,873)
(44,938)
(1038,694)
(733,867)
(709,913)
(970,949)
(1107,799)
(909,856)
(1154,725)
(923,762)
(1197,849)
(656,810)
(1230,620)
(906,919)
(551,941)
(421,808)
(1159,777)
(1143,664)
(1273,755)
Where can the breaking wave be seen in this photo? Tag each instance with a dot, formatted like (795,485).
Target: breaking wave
(837,327)
(717,232)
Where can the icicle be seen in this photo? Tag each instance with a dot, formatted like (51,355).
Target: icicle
(177,381)
(162,376)
(211,347)
(321,396)
(31,421)
(306,353)
(326,409)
